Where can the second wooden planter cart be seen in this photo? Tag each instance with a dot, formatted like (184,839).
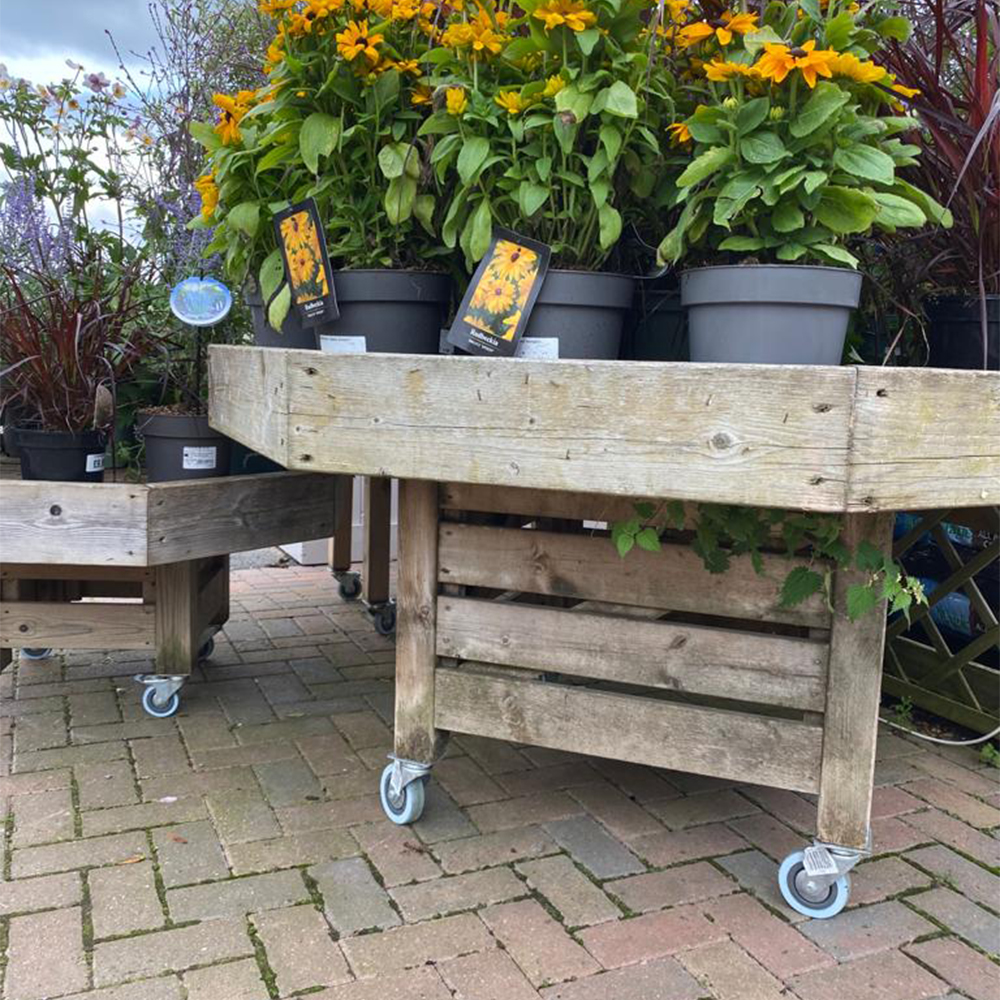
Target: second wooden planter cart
(516,621)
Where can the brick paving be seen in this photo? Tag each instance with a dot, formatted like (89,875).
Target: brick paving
(238,851)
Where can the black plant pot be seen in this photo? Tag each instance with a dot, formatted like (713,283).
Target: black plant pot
(293,335)
(658,331)
(60,456)
(955,333)
(179,446)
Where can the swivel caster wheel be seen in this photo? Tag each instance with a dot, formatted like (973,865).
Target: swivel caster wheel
(349,587)
(385,619)
(36,654)
(160,709)
(808,896)
(206,649)
(408,806)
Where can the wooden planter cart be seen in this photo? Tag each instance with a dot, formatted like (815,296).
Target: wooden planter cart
(517,622)
(136,566)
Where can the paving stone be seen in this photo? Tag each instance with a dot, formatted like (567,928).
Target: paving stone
(290,849)
(768,835)
(644,784)
(891,801)
(171,951)
(968,878)
(706,807)
(397,855)
(418,944)
(44,760)
(893,835)
(123,899)
(963,917)
(238,980)
(684,884)
(953,800)
(867,930)
(43,818)
(142,816)
(167,988)
(332,815)
(779,947)
(109,783)
(457,892)
(87,853)
(974,783)
(441,819)
(331,754)
(159,755)
(594,848)
(363,729)
(206,732)
(115,731)
(287,729)
(230,756)
(34,781)
(615,810)
(490,975)
(964,968)
(789,807)
(300,949)
(489,849)
(94,707)
(674,846)
(417,984)
(730,973)
(537,808)
(557,777)
(887,976)
(189,852)
(493,756)
(466,782)
(580,902)
(883,878)
(237,896)
(45,955)
(937,825)
(40,731)
(42,893)
(654,935)
(662,979)
(242,815)
(759,874)
(287,781)
(353,900)
(199,783)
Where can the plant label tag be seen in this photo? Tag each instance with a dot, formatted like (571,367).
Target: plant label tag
(302,243)
(538,348)
(817,861)
(199,458)
(95,463)
(343,345)
(498,302)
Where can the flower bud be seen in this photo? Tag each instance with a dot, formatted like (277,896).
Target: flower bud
(730,103)
(777,113)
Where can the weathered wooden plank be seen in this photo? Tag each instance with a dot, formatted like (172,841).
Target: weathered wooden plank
(98,524)
(196,518)
(416,659)
(28,571)
(590,568)
(723,663)
(538,503)
(725,744)
(925,438)
(375,574)
(852,701)
(213,597)
(340,543)
(90,625)
(178,622)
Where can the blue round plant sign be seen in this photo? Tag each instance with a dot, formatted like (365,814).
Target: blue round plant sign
(200,301)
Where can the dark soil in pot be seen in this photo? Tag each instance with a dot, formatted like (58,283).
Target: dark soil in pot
(955,333)
(774,314)
(658,327)
(182,446)
(61,456)
(584,311)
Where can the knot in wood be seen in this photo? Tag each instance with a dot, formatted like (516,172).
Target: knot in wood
(55,510)
(721,441)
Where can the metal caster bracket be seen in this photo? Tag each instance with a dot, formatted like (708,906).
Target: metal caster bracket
(404,772)
(166,685)
(383,616)
(823,864)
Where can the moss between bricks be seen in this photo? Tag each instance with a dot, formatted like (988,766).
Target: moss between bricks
(266,972)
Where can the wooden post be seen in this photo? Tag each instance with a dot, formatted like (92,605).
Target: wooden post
(416,657)
(340,543)
(177,626)
(378,515)
(852,698)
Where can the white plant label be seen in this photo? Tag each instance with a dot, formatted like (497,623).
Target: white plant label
(95,463)
(538,348)
(817,861)
(199,458)
(343,345)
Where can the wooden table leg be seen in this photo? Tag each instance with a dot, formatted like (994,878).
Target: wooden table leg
(178,629)
(340,544)
(416,645)
(378,515)
(852,699)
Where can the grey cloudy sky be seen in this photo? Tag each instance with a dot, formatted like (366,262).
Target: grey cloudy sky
(37,36)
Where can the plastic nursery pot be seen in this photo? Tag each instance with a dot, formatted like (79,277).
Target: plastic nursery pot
(659,326)
(955,333)
(770,314)
(181,446)
(584,311)
(61,456)
(386,311)
(292,334)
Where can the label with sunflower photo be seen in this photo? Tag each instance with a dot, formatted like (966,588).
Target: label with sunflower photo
(501,295)
(303,247)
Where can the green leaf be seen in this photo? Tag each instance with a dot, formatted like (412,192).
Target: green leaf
(752,114)
(610,222)
(935,211)
(675,514)
(896,211)
(704,165)
(531,197)
(869,557)
(861,598)
(204,134)
(399,197)
(624,542)
(791,251)
(611,138)
(439,123)
(742,243)
(587,40)
(276,157)
(826,100)
(620,100)
(648,539)
(800,584)
(762,147)
(423,211)
(839,30)
(245,217)
(571,99)
(482,230)
(897,28)
(597,165)
(272,273)
(392,159)
(754,41)
(471,158)
(278,309)
(839,254)
(845,210)
(813,179)
(318,137)
(600,190)
(645,509)
(543,167)
(866,162)
(787,217)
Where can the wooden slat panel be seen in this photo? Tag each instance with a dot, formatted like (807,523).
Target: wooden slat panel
(590,568)
(27,571)
(925,438)
(723,663)
(97,524)
(197,518)
(691,738)
(76,626)
(538,503)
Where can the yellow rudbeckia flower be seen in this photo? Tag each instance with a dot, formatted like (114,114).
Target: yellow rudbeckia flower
(510,101)
(456,100)
(572,13)
(354,41)
(849,65)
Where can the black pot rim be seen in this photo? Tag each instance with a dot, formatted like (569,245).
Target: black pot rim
(36,437)
(771,267)
(586,289)
(174,425)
